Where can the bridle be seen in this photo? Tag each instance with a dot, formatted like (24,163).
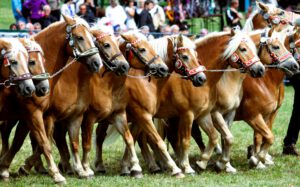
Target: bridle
(234,58)
(12,78)
(182,69)
(275,59)
(131,51)
(41,76)
(76,53)
(293,49)
(107,61)
(277,19)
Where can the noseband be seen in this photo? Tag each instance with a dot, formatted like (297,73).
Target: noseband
(76,53)
(12,76)
(131,51)
(277,19)
(275,59)
(182,69)
(41,76)
(108,61)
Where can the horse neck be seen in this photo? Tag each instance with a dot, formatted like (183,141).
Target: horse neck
(274,77)
(109,80)
(54,44)
(212,58)
(259,22)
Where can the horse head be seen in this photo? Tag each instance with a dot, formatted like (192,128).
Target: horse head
(186,62)
(141,55)
(36,66)
(14,66)
(110,53)
(81,42)
(292,42)
(241,53)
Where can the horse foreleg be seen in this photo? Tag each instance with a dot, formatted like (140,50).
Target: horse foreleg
(6,159)
(37,129)
(100,137)
(74,125)
(120,122)
(227,136)
(59,136)
(87,132)
(196,134)
(146,123)
(208,127)
(38,165)
(261,129)
(5,130)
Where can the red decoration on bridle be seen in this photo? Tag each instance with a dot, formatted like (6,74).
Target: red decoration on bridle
(102,36)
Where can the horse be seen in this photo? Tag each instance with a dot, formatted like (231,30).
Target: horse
(68,38)
(14,68)
(178,97)
(40,77)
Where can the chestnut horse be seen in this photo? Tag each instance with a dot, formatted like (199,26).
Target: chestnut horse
(40,77)
(179,98)
(79,44)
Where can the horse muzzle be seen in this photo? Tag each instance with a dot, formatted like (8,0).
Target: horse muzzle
(158,70)
(26,87)
(123,68)
(94,63)
(42,88)
(289,66)
(199,79)
(257,70)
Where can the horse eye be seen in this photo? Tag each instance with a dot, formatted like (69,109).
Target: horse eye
(79,38)
(281,13)
(185,57)
(243,49)
(31,62)
(275,47)
(142,50)
(106,45)
(13,62)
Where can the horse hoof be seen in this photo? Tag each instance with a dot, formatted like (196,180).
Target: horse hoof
(260,165)
(230,169)
(5,175)
(269,162)
(90,172)
(125,174)
(155,170)
(83,175)
(100,170)
(179,175)
(23,172)
(59,179)
(220,166)
(253,162)
(201,165)
(189,171)
(136,174)
(250,151)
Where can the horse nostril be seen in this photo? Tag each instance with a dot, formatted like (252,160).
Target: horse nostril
(201,79)
(28,90)
(124,68)
(96,64)
(295,67)
(261,71)
(44,89)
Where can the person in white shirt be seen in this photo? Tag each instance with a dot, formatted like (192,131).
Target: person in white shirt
(158,16)
(68,8)
(130,11)
(116,14)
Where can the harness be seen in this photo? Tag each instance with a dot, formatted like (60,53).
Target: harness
(293,49)
(275,59)
(277,19)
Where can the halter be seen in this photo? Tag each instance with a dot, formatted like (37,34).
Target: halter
(108,61)
(41,76)
(182,69)
(293,48)
(131,51)
(12,76)
(76,53)
(277,19)
(275,59)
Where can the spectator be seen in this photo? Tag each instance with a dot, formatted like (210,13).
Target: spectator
(203,32)
(145,17)
(13,27)
(130,11)
(184,29)
(77,4)
(233,17)
(37,27)
(174,29)
(116,14)
(68,8)
(55,8)
(48,18)
(30,28)
(36,9)
(21,25)
(165,30)
(226,29)
(83,12)
(158,16)
(91,9)
(145,30)
(138,10)
(16,6)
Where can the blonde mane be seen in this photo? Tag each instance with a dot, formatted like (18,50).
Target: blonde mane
(15,46)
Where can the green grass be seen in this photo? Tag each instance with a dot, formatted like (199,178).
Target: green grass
(6,15)
(286,172)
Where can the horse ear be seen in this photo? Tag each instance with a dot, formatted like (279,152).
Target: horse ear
(4,44)
(127,37)
(235,30)
(262,6)
(94,32)
(68,19)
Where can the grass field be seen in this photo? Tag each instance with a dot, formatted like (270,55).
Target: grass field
(6,15)
(286,171)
